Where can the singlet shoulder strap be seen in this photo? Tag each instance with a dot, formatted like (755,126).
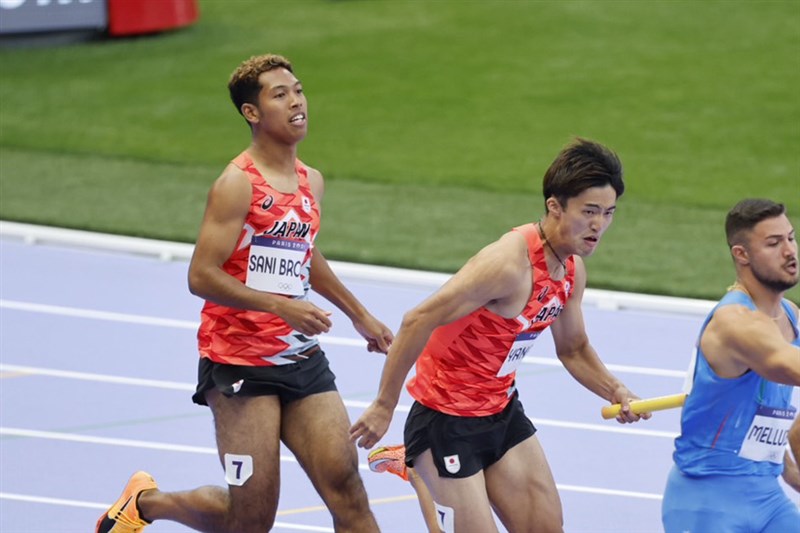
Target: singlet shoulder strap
(301,170)
(244,162)
(532,239)
(535,247)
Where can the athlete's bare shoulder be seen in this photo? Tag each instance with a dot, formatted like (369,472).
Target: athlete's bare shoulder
(729,322)
(738,338)
(512,248)
(231,192)
(316,182)
(231,175)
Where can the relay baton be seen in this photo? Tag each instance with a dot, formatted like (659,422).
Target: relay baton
(646,405)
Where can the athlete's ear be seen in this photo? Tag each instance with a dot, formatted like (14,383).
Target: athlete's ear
(553,207)
(250,113)
(740,255)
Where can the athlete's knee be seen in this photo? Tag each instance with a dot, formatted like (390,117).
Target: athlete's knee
(256,518)
(349,487)
(347,499)
(252,500)
(551,522)
(249,526)
(545,518)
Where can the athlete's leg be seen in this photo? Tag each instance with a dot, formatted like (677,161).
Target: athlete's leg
(247,428)
(781,514)
(425,499)
(465,499)
(522,490)
(315,429)
(392,459)
(715,503)
(785,521)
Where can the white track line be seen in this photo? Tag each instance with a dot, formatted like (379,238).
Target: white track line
(103,506)
(356,404)
(129,443)
(609,492)
(627,369)
(338,341)
(103,378)
(53,501)
(612,300)
(560,486)
(97,315)
(107,441)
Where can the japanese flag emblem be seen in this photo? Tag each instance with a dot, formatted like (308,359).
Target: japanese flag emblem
(452,463)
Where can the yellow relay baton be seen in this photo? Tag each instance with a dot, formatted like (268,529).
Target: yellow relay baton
(647,405)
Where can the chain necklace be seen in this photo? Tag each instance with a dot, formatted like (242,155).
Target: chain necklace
(547,243)
(738,286)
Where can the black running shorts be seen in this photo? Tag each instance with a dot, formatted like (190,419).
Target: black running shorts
(289,382)
(463,446)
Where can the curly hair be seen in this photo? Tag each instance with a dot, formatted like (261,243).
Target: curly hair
(243,84)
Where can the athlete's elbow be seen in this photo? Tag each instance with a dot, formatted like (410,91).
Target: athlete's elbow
(417,320)
(411,320)
(197,282)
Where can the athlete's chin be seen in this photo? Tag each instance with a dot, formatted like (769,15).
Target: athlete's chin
(792,279)
(297,134)
(782,284)
(589,249)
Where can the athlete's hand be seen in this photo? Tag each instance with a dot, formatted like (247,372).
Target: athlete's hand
(377,335)
(305,317)
(624,397)
(371,426)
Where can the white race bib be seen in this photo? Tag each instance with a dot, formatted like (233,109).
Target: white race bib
(275,265)
(522,345)
(768,434)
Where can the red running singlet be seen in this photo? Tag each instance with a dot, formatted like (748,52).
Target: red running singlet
(467,368)
(273,254)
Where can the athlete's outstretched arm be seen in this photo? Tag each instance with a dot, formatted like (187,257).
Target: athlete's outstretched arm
(579,357)
(754,341)
(494,273)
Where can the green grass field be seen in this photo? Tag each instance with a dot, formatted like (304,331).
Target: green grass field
(433,123)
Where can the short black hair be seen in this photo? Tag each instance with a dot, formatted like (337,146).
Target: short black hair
(581,165)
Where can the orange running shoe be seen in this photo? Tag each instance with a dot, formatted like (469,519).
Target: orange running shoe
(390,459)
(123,517)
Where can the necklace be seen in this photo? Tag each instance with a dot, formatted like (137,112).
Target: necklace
(547,243)
(738,286)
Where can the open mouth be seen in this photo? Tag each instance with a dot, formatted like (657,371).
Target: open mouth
(298,118)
